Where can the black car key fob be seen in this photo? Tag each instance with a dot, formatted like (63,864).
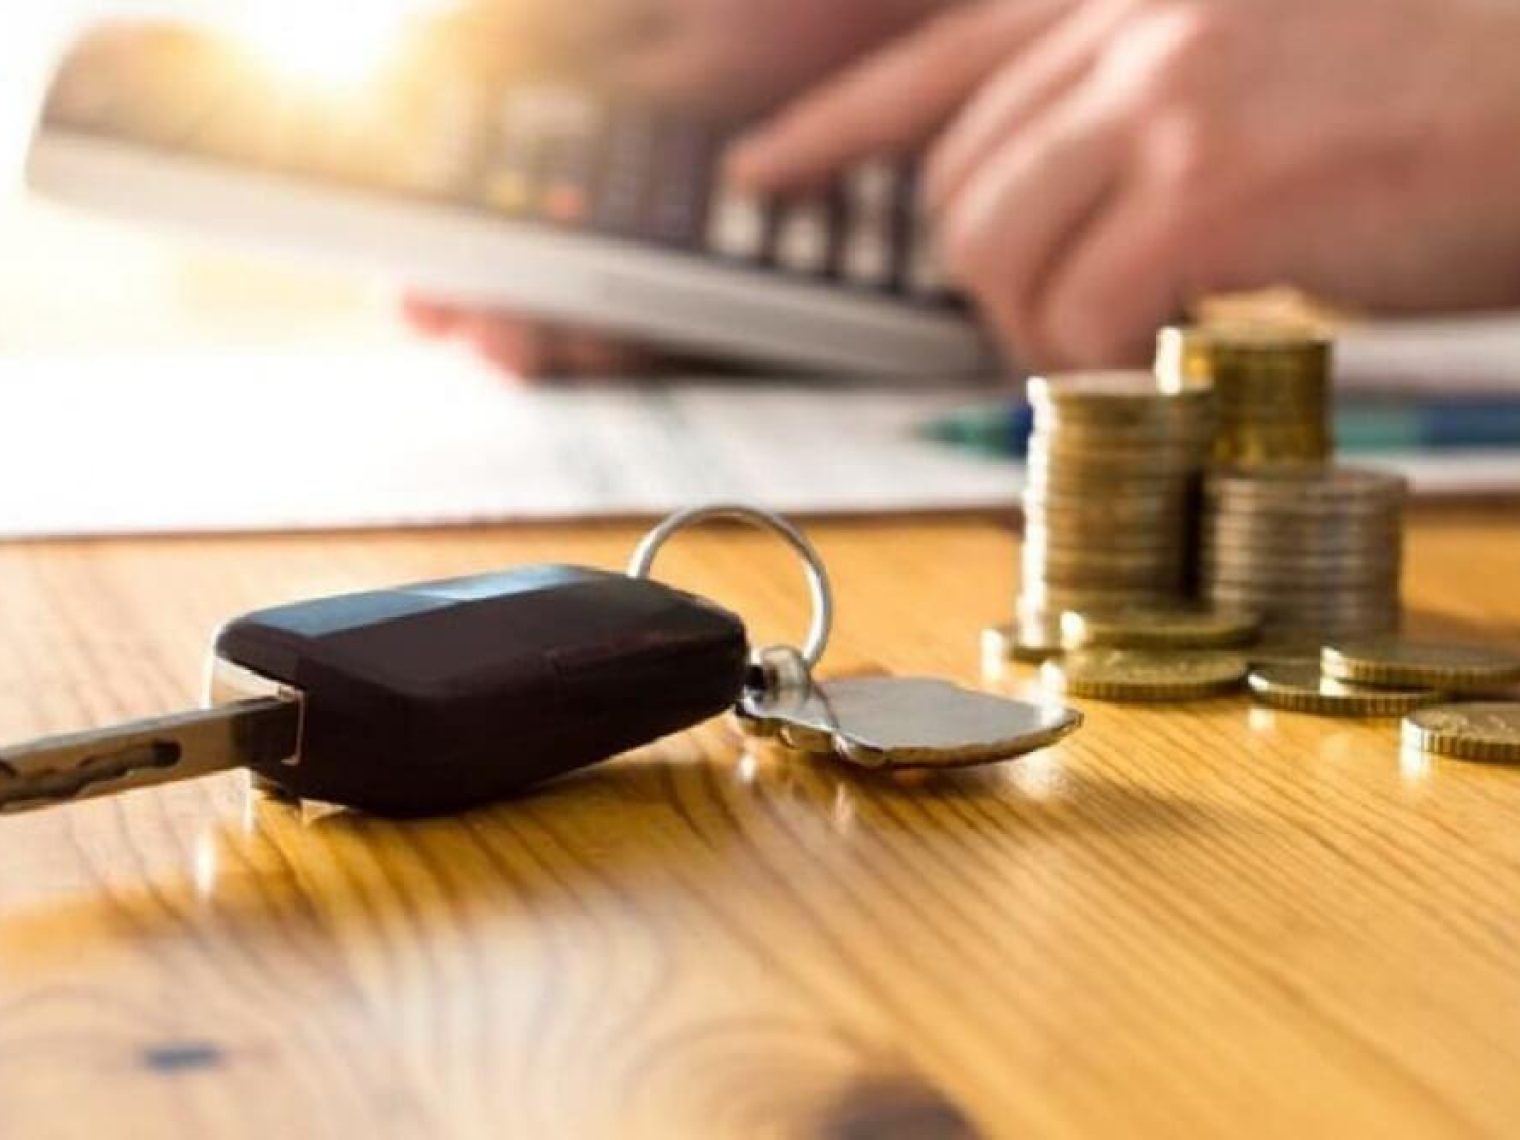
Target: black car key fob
(442,696)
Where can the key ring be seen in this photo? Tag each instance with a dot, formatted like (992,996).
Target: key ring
(812,563)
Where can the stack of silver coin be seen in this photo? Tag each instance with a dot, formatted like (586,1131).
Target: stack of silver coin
(1316,551)
(1113,470)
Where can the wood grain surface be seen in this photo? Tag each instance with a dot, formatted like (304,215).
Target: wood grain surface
(1200,920)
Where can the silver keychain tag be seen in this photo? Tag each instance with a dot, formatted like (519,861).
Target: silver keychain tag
(874,722)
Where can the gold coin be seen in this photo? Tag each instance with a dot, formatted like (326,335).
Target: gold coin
(1241,354)
(1303,688)
(1039,600)
(1030,640)
(1144,675)
(1100,392)
(1174,628)
(1195,434)
(1093,567)
(1103,461)
(1486,730)
(1453,668)
(1065,481)
(1063,534)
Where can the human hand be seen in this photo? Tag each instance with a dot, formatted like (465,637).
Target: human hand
(727,56)
(733,55)
(527,349)
(1096,165)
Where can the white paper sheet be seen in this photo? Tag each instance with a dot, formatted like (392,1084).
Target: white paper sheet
(1432,356)
(394,434)
(322,437)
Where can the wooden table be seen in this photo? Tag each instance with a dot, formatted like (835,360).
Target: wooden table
(1183,920)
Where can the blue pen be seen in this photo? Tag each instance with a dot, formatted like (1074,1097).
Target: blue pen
(1362,425)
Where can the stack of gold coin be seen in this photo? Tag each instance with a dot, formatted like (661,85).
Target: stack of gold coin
(1113,468)
(1316,551)
(1272,387)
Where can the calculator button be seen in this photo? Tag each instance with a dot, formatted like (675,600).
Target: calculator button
(566,170)
(626,174)
(926,273)
(803,238)
(683,160)
(906,222)
(557,132)
(448,158)
(867,257)
(737,225)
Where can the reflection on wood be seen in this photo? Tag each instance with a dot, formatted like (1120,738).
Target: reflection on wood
(1203,919)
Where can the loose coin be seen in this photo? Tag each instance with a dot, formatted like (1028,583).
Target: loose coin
(1144,675)
(1285,650)
(1481,730)
(1030,640)
(1452,668)
(1303,688)
(1162,628)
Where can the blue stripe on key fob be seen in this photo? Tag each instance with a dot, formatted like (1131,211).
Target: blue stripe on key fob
(442,696)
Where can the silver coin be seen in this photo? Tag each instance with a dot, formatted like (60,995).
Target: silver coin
(1346,536)
(1329,487)
(1301,561)
(1276,601)
(1326,601)
(1308,575)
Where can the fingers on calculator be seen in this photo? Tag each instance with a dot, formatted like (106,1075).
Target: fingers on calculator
(569,205)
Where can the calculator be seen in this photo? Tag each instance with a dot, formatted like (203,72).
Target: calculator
(540,197)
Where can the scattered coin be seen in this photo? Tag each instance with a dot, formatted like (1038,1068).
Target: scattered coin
(1451,668)
(1182,627)
(1028,640)
(1295,652)
(1303,688)
(1144,675)
(1482,730)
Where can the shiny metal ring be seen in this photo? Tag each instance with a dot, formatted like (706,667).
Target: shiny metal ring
(812,563)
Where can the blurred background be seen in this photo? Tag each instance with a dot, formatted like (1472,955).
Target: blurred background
(76,281)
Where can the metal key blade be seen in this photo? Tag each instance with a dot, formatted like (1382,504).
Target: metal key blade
(142,754)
